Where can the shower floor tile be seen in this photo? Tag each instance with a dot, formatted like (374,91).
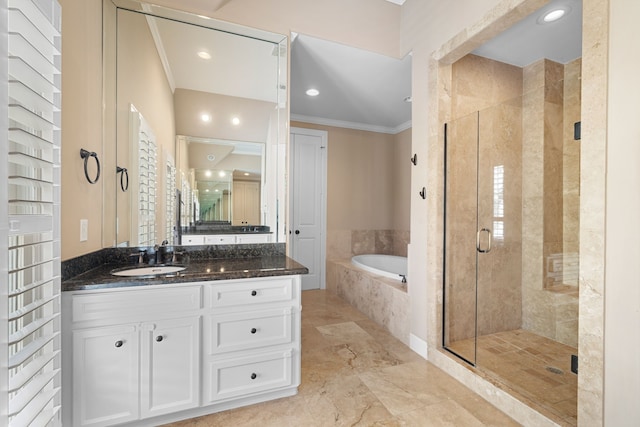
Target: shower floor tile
(532,367)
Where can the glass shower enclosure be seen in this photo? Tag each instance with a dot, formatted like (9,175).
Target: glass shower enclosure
(483,229)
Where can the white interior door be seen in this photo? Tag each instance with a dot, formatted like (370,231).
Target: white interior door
(307,227)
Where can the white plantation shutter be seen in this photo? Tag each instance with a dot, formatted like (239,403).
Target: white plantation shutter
(170,200)
(30,200)
(145,161)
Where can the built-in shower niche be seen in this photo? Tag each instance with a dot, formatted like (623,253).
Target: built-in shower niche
(512,189)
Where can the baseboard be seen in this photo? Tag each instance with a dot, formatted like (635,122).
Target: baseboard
(418,345)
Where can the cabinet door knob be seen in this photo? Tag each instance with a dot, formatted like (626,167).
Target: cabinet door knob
(254,293)
(119,343)
(159,338)
(254,330)
(254,376)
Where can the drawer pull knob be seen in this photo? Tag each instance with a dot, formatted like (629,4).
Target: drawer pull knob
(254,376)
(254,293)
(159,338)
(119,343)
(254,330)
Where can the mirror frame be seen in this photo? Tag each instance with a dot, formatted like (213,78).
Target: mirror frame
(275,194)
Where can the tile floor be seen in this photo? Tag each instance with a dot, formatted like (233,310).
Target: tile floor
(535,369)
(354,373)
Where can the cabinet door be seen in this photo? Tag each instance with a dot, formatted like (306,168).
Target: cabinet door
(170,366)
(105,375)
(246,203)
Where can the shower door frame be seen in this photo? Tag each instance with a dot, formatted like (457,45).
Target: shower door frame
(445,325)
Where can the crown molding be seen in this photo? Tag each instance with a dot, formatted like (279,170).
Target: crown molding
(351,125)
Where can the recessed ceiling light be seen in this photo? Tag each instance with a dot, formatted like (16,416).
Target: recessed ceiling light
(313,92)
(235,121)
(222,174)
(553,15)
(205,117)
(246,174)
(206,191)
(207,173)
(211,158)
(204,54)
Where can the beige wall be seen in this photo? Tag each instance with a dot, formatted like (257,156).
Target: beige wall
(622,293)
(367,191)
(402,181)
(142,83)
(81,124)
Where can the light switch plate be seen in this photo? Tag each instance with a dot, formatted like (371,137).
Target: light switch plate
(84,230)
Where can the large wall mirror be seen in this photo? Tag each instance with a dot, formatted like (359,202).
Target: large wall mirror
(195,121)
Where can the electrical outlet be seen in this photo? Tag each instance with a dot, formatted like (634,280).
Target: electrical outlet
(84,230)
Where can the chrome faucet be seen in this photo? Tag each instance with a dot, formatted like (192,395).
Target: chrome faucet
(161,252)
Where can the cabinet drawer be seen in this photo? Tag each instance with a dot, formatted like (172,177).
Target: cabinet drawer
(251,292)
(192,240)
(242,331)
(220,239)
(253,238)
(135,304)
(247,375)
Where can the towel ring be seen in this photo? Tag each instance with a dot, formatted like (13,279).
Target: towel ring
(85,155)
(124,174)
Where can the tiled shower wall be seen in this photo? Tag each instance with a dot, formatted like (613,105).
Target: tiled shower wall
(343,244)
(551,200)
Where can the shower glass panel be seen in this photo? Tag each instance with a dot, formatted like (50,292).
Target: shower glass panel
(461,225)
(483,227)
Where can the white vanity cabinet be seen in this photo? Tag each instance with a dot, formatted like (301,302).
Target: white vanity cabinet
(251,337)
(152,355)
(225,239)
(135,353)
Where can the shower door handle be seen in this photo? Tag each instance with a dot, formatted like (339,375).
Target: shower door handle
(488,249)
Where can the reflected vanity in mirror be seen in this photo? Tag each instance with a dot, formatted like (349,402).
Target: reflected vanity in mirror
(195,115)
(225,179)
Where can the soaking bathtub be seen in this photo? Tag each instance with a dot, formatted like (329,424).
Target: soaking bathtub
(374,285)
(391,266)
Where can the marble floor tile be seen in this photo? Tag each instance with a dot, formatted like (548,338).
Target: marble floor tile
(354,373)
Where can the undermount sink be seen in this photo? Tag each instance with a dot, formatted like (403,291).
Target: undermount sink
(149,270)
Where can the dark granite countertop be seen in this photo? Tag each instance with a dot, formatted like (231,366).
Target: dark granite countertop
(196,271)
(225,231)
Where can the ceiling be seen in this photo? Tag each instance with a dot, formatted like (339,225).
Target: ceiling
(238,66)
(364,90)
(358,89)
